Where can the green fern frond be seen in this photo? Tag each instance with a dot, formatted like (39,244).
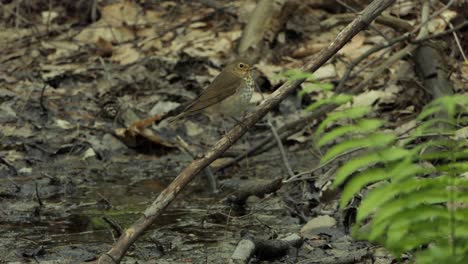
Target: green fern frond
(446,155)
(313,87)
(297,74)
(370,141)
(334,99)
(384,155)
(454,167)
(361,180)
(402,223)
(361,127)
(417,196)
(377,197)
(442,254)
(447,104)
(386,214)
(354,113)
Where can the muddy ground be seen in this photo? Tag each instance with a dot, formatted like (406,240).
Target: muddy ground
(75,77)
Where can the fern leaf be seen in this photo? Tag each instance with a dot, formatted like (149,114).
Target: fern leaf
(454,167)
(371,141)
(380,196)
(353,113)
(312,87)
(365,125)
(335,99)
(359,181)
(385,155)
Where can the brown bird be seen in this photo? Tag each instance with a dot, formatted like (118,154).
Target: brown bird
(229,94)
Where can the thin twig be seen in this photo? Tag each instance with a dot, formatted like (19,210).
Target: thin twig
(38,197)
(208,172)
(280,147)
(366,54)
(113,224)
(441,34)
(457,41)
(296,177)
(41,99)
(370,26)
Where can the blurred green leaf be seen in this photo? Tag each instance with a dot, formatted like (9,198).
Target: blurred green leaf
(362,126)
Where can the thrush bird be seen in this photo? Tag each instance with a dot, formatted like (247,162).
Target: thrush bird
(229,94)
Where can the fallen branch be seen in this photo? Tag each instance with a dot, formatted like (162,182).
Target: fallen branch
(116,253)
(239,198)
(251,246)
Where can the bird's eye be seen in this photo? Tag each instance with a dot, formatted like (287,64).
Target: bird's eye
(241,65)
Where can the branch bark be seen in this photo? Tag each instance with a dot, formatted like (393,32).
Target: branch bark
(120,247)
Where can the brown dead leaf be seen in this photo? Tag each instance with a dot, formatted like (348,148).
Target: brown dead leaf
(464,70)
(125,54)
(370,97)
(308,49)
(53,70)
(13,156)
(48,17)
(316,224)
(271,72)
(9,35)
(325,72)
(138,137)
(62,49)
(11,130)
(124,13)
(439,24)
(138,133)
(402,7)
(153,16)
(349,50)
(104,48)
(101,29)
(193,129)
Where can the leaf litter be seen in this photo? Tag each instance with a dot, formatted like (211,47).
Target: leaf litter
(81,89)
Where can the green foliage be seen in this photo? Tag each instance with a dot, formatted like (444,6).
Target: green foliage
(417,198)
(313,86)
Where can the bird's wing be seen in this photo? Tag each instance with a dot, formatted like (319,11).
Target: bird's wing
(223,86)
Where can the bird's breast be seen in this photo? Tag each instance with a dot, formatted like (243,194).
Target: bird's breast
(238,103)
(247,90)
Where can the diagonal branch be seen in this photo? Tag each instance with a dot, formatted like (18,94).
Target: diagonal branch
(116,253)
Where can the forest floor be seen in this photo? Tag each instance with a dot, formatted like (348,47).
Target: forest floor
(74,78)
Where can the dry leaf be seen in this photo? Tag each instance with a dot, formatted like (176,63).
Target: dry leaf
(101,29)
(402,7)
(125,13)
(125,54)
(104,47)
(439,24)
(62,49)
(350,49)
(325,72)
(48,17)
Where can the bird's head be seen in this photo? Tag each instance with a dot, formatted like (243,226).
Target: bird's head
(239,68)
